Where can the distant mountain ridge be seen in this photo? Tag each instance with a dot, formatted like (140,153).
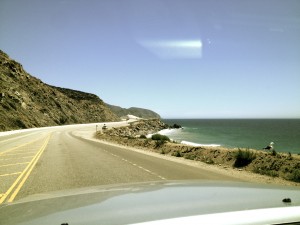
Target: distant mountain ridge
(139,112)
(27,102)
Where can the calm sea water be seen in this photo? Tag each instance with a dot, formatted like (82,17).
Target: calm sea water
(244,133)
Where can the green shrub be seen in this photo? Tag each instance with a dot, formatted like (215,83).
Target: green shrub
(159,143)
(143,136)
(189,156)
(209,161)
(146,142)
(160,140)
(295,176)
(244,158)
(159,137)
(270,173)
(177,154)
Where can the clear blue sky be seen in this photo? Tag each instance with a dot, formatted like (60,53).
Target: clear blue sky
(180,58)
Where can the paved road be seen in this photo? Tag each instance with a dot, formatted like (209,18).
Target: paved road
(54,159)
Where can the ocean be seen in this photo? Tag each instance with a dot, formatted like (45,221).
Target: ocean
(241,133)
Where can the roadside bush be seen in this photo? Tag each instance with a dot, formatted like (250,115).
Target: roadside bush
(268,172)
(159,137)
(189,156)
(177,154)
(146,142)
(143,136)
(159,143)
(244,158)
(295,176)
(209,161)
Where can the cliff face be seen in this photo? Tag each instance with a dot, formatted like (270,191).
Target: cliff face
(139,112)
(26,101)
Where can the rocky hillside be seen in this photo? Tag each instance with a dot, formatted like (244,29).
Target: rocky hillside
(26,101)
(139,112)
(138,128)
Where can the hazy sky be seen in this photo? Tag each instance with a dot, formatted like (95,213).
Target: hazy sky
(180,58)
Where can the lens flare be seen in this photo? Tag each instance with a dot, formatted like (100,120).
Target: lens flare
(172,49)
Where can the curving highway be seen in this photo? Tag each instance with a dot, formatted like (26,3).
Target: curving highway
(60,158)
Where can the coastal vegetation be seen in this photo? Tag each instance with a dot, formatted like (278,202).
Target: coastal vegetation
(269,163)
(160,137)
(244,157)
(295,175)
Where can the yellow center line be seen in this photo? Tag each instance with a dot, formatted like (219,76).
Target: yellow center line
(9,174)
(11,149)
(15,164)
(26,172)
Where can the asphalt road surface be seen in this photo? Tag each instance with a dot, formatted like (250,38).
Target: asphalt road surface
(57,158)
